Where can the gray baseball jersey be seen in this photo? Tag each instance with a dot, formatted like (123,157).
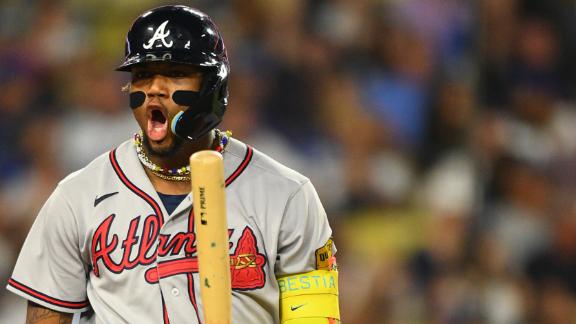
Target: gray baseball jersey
(104,241)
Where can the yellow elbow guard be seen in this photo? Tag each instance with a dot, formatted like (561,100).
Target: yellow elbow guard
(310,297)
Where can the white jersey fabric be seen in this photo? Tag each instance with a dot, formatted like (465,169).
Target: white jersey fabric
(103,241)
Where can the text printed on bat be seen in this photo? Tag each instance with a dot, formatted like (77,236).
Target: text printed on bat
(203,219)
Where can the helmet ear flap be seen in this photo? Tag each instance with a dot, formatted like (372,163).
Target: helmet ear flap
(221,98)
(203,114)
(192,125)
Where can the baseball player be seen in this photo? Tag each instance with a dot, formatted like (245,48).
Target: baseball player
(115,242)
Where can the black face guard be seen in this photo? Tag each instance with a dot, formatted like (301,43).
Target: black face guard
(196,121)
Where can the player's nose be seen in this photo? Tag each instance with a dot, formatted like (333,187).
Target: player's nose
(158,86)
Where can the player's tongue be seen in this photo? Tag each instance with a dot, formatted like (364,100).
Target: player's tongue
(157,126)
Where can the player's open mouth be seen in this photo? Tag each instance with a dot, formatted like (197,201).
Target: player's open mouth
(157,124)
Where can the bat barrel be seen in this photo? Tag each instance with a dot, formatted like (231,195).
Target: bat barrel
(208,190)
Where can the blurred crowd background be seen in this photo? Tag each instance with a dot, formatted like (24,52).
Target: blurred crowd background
(440,135)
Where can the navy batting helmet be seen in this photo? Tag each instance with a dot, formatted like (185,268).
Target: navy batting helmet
(180,34)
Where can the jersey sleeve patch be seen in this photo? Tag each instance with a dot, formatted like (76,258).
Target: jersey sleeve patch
(325,259)
(46,300)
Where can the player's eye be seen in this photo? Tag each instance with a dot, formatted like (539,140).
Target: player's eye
(177,74)
(139,75)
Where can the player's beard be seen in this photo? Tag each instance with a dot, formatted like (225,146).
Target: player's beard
(166,152)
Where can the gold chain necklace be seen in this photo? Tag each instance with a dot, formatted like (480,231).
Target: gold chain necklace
(176,174)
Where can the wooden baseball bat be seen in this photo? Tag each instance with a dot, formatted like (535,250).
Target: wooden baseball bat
(207,177)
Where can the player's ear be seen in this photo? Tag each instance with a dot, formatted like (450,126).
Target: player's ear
(126,87)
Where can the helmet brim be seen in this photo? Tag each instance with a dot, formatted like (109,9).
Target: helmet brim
(177,57)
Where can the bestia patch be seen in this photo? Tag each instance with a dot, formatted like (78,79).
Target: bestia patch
(325,259)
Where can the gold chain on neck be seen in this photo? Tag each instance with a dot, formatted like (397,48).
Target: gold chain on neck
(177,174)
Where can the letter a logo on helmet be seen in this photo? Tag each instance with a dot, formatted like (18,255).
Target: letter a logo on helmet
(159,34)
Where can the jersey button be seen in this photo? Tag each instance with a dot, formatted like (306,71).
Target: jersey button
(175,292)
